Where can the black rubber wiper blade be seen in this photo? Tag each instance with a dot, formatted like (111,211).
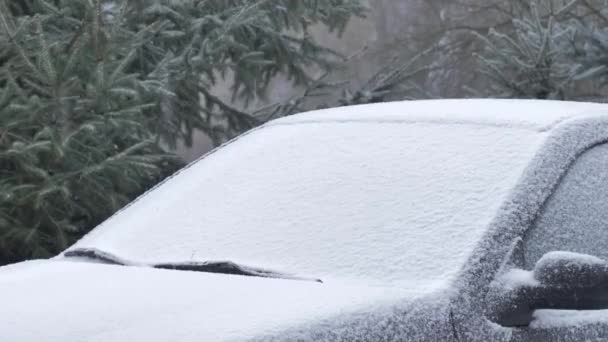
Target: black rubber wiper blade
(223,267)
(229,267)
(99,255)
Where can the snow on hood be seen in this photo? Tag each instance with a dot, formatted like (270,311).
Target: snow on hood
(61,301)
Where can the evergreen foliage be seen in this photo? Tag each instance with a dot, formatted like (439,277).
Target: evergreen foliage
(393,82)
(247,42)
(92,91)
(554,49)
(532,62)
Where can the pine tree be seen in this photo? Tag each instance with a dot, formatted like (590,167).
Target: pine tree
(532,62)
(591,54)
(92,91)
(74,139)
(245,42)
(554,49)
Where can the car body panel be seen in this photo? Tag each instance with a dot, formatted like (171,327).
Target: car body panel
(101,302)
(565,143)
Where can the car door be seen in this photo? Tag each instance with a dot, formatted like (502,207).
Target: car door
(573,219)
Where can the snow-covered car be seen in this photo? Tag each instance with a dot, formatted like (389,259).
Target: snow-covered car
(454,220)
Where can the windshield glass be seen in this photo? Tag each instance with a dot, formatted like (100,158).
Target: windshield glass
(377,202)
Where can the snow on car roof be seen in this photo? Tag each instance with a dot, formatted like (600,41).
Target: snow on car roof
(537,115)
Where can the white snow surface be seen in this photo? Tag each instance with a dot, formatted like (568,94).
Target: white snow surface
(532,114)
(561,257)
(546,319)
(383,202)
(516,278)
(102,303)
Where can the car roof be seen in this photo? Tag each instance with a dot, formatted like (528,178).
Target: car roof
(538,115)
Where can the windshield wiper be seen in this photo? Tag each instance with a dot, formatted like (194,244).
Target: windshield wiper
(96,254)
(223,267)
(229,267)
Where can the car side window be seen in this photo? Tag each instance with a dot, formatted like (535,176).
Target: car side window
(575,217)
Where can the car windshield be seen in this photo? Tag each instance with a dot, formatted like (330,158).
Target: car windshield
(397,203)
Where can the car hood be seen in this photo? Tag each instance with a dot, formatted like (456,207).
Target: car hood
(69,301)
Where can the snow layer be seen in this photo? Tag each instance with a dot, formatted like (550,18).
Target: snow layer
(532,114)
(544,319)
(516,278)
(566,326)
(567,269)
(561,257)
(102,303)
(377,203)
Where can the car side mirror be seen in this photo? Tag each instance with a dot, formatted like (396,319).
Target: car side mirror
(559,280)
